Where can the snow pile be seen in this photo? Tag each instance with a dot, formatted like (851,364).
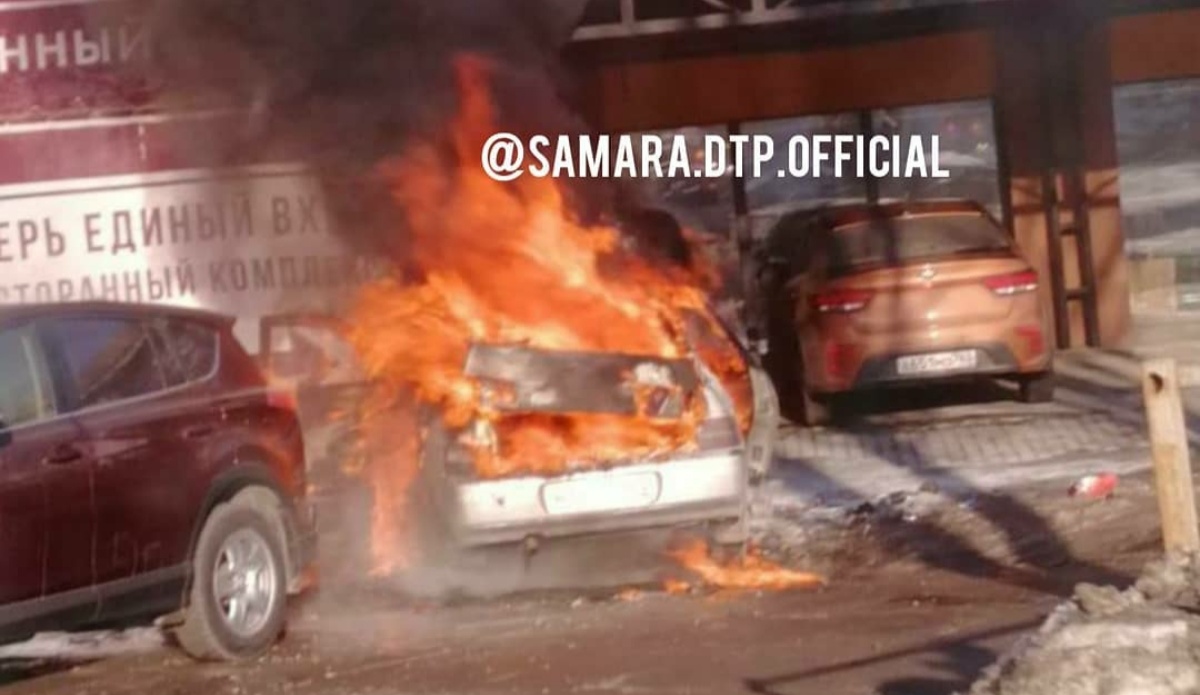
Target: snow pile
(1141,641)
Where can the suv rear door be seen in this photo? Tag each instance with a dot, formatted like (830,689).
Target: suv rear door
(33,467)
(138,425)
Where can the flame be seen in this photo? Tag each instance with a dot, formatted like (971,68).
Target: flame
(751,571)
(507,263)
(391,437)
(676,586)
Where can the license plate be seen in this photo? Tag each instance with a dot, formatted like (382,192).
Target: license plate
(601,494)
(937,362)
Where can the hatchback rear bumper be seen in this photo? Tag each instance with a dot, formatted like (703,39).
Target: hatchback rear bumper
(991,359)
(707,487)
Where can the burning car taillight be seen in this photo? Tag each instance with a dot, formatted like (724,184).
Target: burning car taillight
(459,461)
(718,433)
(1012,283)
(461,450)
(840,301)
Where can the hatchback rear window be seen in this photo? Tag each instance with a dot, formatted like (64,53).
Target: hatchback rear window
(896,241)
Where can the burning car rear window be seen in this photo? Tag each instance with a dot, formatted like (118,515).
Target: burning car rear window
(896,241)
(521,379)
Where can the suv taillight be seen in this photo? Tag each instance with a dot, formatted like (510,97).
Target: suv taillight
(841,301)
(1012,283)
(283,399)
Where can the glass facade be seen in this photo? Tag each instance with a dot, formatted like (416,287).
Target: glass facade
(1158,144)
(770,193)
(966,148)
(703,204)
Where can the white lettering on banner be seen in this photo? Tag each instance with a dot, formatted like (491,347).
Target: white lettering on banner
(247,245)
(57,48)
(139,229)
(73,48)
(14,51)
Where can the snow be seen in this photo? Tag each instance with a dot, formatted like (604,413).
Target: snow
(85,646)
(1141,641)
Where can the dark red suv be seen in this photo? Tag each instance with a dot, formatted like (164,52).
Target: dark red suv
(146,472)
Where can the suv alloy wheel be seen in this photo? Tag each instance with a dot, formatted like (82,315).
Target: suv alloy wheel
(238,598)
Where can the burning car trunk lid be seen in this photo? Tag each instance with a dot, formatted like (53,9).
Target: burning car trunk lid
(703,480)
(518,379)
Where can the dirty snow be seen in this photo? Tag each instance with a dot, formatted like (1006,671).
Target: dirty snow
(1141,641)
(85,646)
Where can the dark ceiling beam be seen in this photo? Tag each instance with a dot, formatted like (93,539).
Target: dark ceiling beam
(825,32)
(788,36)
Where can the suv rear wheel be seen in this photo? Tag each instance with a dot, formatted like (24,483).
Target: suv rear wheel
(239,585)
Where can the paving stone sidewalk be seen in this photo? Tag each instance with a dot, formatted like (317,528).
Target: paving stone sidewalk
(975,441)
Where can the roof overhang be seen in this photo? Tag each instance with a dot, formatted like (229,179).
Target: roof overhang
(611,19)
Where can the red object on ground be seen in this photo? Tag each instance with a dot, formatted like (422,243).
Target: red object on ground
(1095,486)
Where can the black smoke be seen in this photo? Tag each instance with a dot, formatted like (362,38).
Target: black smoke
(347,84)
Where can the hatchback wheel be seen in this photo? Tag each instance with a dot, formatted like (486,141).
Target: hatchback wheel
(239,586)
(1037,388)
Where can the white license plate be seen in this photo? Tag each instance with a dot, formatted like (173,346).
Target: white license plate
(937,362)
(601,494)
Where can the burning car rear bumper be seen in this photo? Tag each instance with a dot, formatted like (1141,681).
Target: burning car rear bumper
(704,488)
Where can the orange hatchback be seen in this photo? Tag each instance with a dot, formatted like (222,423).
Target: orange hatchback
(866,296)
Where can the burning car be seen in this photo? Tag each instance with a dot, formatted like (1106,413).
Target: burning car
(535,369)
(467,489)
(482,498)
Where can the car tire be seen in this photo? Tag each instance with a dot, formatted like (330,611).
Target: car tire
(815,412)
(735,534)
(240,616)
(1037,388)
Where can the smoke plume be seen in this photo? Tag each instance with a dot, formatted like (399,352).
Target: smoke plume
(347,84)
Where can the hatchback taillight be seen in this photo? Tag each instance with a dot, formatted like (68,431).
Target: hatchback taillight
(1012,283)
(841,301)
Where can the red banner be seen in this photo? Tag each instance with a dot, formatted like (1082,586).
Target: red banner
(71,59)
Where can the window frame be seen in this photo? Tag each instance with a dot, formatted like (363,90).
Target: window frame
(157,327)
(61,369)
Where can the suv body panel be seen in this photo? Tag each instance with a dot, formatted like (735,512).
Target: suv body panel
(120,520)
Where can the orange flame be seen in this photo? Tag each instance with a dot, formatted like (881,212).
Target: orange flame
(391,436)
(676,586)
(507,263)
(751,571)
